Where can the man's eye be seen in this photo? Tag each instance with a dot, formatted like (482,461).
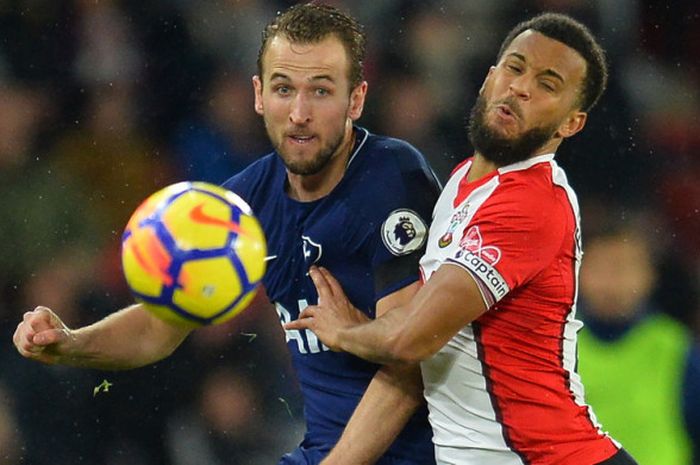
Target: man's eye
(322,92)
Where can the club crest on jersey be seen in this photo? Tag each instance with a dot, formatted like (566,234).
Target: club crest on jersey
(403,232)
(473,243)
(312,250)
(455,221)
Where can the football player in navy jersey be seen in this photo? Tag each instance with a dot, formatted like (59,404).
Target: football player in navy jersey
(331,194)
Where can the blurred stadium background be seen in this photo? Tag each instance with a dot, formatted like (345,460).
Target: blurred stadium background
(103,102)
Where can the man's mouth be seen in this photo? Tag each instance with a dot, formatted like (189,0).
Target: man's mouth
(506,110)
(300,138)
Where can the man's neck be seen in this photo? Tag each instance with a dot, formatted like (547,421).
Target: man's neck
(307,188)
(480,167)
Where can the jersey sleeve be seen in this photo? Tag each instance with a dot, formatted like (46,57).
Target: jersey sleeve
(407,195)
(514,235)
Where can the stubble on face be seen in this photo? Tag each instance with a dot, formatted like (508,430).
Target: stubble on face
(306,166)
(309,136)
(500,149)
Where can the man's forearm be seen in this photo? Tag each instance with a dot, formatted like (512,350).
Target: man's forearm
(416,331)
(376,340)
(129,338)
(394,394)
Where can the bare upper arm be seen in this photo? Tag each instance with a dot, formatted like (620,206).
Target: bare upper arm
(447,302)
(162,337)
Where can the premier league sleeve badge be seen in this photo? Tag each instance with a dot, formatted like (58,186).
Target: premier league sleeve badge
(403,232)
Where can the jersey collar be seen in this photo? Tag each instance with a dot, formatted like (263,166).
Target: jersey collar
(361,136)
(525,164)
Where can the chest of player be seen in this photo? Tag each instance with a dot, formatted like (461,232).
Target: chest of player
(324,233)
(451,236)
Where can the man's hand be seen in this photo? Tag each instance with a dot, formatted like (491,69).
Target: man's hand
(333,313)
(42,336)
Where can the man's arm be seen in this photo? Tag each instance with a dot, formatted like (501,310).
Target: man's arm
(129,338)
(448,301)
(393,395)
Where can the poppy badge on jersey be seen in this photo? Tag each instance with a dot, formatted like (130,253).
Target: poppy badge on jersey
(403,232)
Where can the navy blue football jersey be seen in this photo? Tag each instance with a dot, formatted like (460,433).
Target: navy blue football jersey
(369,232)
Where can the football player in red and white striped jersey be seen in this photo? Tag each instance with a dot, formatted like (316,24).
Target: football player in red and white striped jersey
(494,325)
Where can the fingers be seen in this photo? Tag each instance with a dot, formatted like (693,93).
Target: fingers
(39,320)
(50,336)
(305,320)
(38,329)
(297,324)
(301,323)
(335,288)
(323,288)
(24,341)
(308,312)
(341,301)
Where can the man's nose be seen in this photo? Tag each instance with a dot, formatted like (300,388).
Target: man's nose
(520,87)
(300,111)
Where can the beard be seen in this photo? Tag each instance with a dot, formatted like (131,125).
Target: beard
(316,163)
(504,150)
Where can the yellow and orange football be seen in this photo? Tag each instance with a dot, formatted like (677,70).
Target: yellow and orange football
(194,254)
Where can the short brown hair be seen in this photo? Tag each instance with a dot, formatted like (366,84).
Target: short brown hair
(312,22)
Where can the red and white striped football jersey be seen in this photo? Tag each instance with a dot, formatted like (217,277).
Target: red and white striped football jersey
(504,390)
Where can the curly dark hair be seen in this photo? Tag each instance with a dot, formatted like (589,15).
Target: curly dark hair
(577,36)
(312,22)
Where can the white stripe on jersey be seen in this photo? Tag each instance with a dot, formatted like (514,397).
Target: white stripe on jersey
(573,326)
(460,409)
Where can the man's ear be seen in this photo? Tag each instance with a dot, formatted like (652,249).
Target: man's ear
(573,124)
(488,75)
(257,88)
(357,101)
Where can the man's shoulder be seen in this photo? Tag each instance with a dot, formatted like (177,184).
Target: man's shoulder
(534,185)
(528,199)
(394,152)
(253,175)
(384,163)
